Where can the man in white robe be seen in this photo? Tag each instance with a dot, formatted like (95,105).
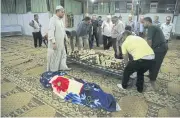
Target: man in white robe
(56,58)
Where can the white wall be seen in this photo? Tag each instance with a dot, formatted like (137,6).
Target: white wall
(24,19)
(77,19)
(177,24)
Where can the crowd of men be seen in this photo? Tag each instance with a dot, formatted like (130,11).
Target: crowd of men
(143,45)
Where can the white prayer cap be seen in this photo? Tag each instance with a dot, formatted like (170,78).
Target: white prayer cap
(130,15)
(108,16)
(142,17)
(59,7)
(86,14)
(168,18)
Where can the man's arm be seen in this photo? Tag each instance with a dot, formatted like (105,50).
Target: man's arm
(117,30)
(102,26)
(97,23)
(51,30)
(161,26)
(149,42)
(133,26)
(150,36)
(32,24)
(79,27)
(121,28)
(124,53)
(125,57)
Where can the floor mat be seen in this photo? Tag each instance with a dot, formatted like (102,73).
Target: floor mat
(23,95)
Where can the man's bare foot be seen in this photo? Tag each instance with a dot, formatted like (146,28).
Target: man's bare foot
(67,69)
(154,85)
(120,86)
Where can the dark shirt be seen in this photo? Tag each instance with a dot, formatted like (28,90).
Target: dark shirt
(156,35)
(82,29)
(100,23)
(94,25)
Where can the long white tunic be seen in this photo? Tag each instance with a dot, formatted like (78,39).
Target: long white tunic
(56,59)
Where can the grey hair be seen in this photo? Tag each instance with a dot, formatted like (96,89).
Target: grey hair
(115,19)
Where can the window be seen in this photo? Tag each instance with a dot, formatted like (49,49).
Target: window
(48,5)
(28,5)
(69,20)
(62,3)
(117,7)
(95,7)
(129,6)
(153,6)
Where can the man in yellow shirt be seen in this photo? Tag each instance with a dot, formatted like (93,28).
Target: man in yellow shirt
(143,57)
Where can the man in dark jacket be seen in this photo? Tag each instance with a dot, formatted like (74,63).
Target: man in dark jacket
(100,21)
(94,32)
(156,40)
(83,33)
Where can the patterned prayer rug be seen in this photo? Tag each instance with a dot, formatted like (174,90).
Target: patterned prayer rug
(23,95)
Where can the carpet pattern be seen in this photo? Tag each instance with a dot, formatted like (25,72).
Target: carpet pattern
(23,95)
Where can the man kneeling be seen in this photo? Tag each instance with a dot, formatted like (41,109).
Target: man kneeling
(143,57)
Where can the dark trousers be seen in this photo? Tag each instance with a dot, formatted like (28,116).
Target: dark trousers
(117,49)
(107,42)
(141,34)
(114,44)
(65,45)
(94,35)
(37,36)
(119,56)
(140,66)
(45,41)
(153,72)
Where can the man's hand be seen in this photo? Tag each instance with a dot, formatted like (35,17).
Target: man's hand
(54,46)
(149,42)
(125,57)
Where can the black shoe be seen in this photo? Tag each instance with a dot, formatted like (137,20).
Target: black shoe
(140,90)
(124,86)
(118,57)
